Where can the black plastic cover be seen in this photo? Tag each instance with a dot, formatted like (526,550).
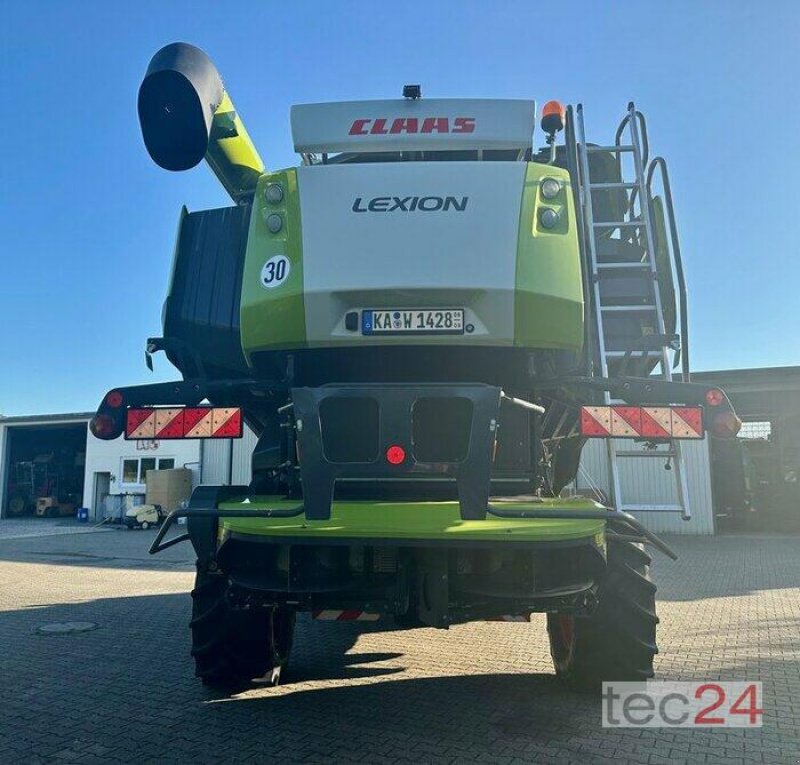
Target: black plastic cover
(201,312)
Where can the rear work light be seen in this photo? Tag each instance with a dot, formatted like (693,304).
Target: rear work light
(157,423)
(647,422)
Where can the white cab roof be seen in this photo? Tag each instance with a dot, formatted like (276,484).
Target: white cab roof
(413,125)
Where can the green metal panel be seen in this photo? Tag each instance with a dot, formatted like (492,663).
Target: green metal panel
(437,521)
(274,318)
(231,153)
(548,303)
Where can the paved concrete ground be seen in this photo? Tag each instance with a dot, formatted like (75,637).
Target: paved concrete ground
(19,528)
(125,692)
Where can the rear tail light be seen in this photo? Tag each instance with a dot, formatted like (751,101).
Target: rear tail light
(104,426)
(725,424)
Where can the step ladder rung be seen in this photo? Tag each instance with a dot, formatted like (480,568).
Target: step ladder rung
(628,308)
(624,265)
(645,508)
(617,185)
(625,147)
(633,354)
(618,223)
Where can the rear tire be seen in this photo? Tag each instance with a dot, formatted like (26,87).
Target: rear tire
(618,641)
(233,648)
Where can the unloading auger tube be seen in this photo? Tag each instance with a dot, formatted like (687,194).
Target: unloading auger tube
(186,115)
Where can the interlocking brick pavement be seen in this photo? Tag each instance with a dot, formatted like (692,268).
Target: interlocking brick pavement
(125,692)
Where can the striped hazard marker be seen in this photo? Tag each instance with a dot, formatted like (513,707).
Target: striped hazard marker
(157,423)
(650,422)
(344,615)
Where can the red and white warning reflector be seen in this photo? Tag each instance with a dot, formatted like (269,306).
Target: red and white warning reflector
(652,422)
(157,423)
(346,615)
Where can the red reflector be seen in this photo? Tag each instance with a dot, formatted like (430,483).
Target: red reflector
(395,455)
(714,397)
(114,399)
(163,423)
(646,422)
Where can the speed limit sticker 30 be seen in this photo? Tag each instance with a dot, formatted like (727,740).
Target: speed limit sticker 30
(275,271)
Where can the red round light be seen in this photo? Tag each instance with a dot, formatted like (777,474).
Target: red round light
(714,397)
(395,455)
(114,399)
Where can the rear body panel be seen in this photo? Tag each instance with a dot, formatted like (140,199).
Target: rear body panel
(414,235)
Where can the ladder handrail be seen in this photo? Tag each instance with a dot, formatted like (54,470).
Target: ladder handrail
(574,169)
(645,145)
(659,163)
(642,131)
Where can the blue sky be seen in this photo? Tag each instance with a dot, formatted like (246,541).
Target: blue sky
(87,222)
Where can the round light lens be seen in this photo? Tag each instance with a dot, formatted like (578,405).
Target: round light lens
(548,218)
(273,193)
(395,455)
(274,223)
(103,426)
(550,188)
(114,399)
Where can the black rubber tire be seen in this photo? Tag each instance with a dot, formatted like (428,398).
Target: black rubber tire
(618,641)
(233,648)
(17,504)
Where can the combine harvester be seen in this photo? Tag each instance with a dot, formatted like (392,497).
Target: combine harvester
(422,323)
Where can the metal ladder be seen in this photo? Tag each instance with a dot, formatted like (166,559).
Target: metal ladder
(655,349)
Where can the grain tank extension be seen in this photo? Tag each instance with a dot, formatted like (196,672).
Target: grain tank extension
(423,323)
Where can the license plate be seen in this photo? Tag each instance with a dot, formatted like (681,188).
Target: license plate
(417,321)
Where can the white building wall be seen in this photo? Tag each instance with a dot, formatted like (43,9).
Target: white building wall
(646,481)
(223,469)
(108,456)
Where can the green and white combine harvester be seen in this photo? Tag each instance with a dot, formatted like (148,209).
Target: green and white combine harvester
(422,324)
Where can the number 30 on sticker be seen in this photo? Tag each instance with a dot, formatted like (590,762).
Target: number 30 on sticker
(275,272)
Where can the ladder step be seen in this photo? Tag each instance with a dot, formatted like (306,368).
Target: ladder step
(623,147)
(628,308)
(619,223)
(652,509)
(616,266)
(634,354)
(603,186)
